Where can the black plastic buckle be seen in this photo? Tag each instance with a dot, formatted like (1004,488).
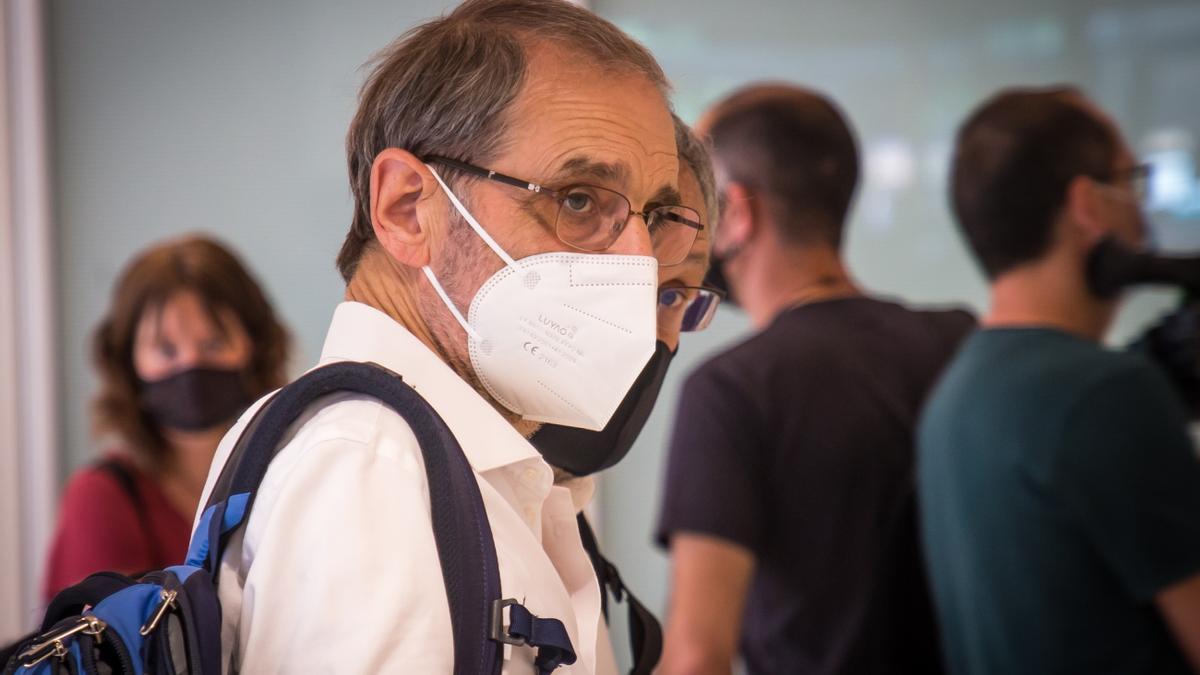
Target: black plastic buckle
(498,632)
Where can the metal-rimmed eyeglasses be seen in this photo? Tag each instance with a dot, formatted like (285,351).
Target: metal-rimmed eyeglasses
(1138,176)
(592,218)
(692,306)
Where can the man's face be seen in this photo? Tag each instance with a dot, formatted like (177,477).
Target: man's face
(568,125)
(1118,200)
(1123,207)
(691,271)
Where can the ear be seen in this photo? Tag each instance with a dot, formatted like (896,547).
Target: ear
(398,214)
(737,219)
(1084,208)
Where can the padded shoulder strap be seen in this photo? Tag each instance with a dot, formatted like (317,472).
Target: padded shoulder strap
(465,547)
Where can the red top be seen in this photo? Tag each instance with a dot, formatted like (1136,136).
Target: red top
(99,528)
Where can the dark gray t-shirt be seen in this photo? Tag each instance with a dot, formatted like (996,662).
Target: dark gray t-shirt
(1059,493)
(798,445)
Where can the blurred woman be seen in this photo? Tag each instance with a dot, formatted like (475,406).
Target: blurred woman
(188,342)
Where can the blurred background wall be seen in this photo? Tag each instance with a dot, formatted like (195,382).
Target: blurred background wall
(907,73)
(229,117)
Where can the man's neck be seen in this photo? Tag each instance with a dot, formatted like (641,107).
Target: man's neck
(1050,295)
(781,277)
(381,283)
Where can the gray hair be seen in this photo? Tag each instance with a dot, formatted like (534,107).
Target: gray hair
(693,152)
(445,87)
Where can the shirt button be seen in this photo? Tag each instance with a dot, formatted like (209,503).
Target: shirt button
(530,475)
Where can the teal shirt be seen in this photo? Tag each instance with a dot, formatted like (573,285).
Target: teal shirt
(1059,492)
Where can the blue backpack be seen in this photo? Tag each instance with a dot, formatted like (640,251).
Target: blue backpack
(169,621)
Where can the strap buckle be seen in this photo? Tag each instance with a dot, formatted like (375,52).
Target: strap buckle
(166,602)
(498,631)
(51,644)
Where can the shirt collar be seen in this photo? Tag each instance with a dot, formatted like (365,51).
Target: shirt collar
(360,332)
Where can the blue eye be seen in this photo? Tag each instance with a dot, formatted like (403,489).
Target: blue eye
(671,298)
(579,202)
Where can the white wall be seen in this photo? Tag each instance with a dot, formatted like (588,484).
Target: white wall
(28,410)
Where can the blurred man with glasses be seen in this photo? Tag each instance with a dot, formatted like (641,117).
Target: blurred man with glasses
(789,505)
(515,177)
(685,305)
(1059,491)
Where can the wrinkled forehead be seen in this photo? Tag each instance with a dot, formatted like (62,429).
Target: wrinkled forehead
(691,194)
(578,122)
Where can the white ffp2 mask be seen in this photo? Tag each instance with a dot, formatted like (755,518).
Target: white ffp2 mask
(559,337)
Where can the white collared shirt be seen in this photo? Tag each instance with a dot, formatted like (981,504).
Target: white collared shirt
(337,569)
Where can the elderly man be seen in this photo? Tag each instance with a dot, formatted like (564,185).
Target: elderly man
(515,179)
(1059,491)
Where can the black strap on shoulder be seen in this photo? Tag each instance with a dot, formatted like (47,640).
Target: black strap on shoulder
(125,480)
(645,632)
(128,484)
(465,547)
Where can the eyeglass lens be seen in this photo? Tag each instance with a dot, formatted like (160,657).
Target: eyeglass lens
(696,305)
(592,218)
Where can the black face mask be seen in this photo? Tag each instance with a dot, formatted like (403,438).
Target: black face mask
(715,278)
(1112,267)
(581,451)
(196,399)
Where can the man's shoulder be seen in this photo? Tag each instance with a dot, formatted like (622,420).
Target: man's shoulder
(1127,379)
(737,362)
(355,422)
(816,334)
(341,422)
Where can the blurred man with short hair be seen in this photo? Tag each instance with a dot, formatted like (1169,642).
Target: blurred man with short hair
(789,499)
(1059,491)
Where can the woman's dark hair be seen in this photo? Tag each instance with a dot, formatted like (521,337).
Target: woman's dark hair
(220,281)
(1014,158)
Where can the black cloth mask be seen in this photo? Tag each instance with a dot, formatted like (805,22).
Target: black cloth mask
(583,452)
(715,277)
(1112,267)
(196,399)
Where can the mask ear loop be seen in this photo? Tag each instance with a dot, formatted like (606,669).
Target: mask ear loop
(462,210)
(487,239)
(450,304)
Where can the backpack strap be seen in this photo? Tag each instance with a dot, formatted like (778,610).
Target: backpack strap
(128,483)
(466,550)
(645,632)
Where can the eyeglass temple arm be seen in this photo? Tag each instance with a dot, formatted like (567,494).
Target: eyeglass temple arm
(683,221)
(489,174)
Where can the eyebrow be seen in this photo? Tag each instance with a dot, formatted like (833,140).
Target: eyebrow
(699,255)
(587,168)
(666,195)
(612,173)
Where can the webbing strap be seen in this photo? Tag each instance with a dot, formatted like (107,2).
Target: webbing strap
(465,547)
(645,632)
(548,636)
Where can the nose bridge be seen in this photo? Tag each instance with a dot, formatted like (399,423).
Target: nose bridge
(189,354)
(635,237)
